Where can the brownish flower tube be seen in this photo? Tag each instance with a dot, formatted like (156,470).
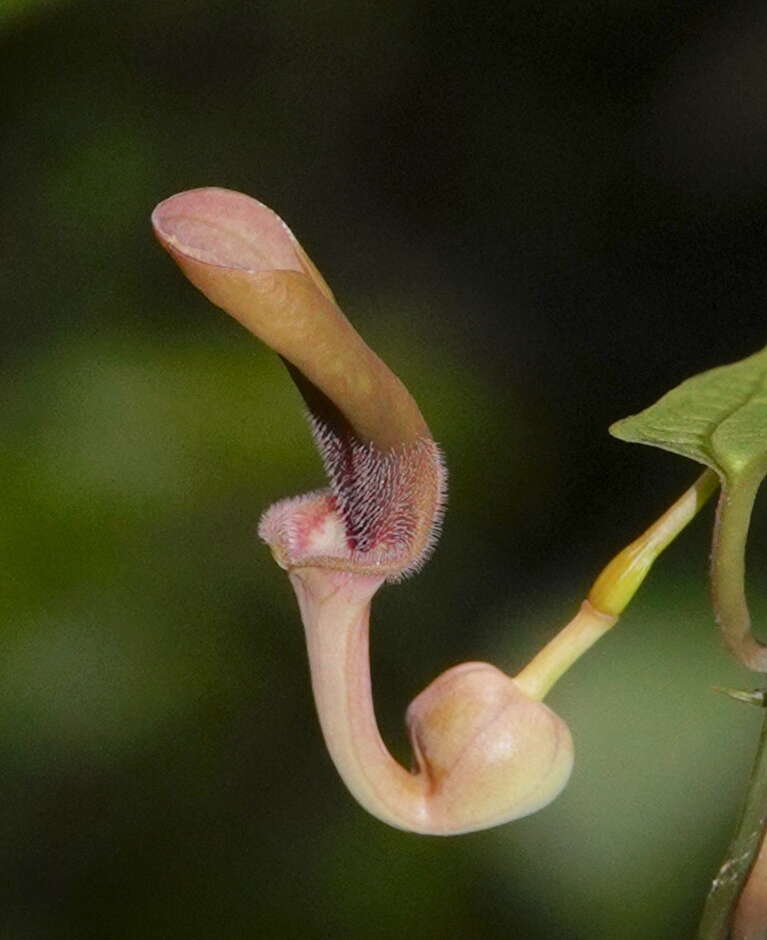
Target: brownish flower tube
(386,475)
(245,260)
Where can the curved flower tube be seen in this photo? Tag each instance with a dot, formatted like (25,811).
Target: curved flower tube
(386,475)
(486,748)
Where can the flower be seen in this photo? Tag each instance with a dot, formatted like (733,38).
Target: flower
(487,751)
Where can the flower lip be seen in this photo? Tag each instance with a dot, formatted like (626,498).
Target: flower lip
(306,531)
(227,229)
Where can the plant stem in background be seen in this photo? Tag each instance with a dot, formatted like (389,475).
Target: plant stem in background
(729,883)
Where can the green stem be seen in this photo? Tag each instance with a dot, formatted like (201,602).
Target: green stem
(728,573)
(728,884)
(728,568)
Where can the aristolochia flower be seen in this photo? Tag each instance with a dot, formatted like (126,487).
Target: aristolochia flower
(486,749)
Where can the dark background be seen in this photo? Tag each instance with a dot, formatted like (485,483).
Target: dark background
(543,216)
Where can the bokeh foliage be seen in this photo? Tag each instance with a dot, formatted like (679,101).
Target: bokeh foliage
(496,196)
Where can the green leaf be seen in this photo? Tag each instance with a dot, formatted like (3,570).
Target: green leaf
(719,418)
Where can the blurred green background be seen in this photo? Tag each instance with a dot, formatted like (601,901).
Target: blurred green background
(543,216)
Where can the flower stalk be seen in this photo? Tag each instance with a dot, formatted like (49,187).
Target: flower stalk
(614,589)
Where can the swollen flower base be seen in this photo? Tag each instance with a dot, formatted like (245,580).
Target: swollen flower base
(485,751)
